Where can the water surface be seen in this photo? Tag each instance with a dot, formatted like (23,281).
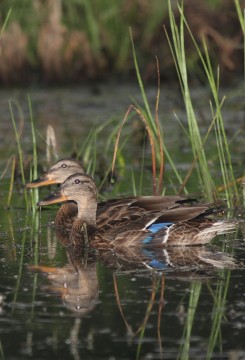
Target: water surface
(56,304)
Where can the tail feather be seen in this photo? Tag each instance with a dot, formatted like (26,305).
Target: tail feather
(224,227)
(193,232)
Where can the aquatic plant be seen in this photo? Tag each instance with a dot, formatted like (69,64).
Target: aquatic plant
(69,40)
(34,160)
(198,144)
(241,17)
(154,129)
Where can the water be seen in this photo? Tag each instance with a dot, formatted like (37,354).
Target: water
(56,304)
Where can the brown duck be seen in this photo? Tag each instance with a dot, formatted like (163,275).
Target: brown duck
(127,222)
(125,207)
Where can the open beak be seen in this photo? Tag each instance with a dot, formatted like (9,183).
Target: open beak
(54,198)
(43,181)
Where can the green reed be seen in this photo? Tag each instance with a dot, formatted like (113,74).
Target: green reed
(231,192)
(6,21)
(33,172)
(241,17)
(195,291)
(17,137)
(153,131)
(94,162)
(88,150)
(34,162)
(11,184)
(177,46)
(20,151)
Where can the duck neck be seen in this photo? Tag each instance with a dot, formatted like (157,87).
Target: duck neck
(87,213)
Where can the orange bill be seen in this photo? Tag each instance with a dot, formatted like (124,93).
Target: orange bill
(43,268)
(53,199)
(43,181)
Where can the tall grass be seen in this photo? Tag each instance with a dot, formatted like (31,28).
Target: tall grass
(33,167)
(6,21)
(17,137)
(20,152)
(241,17)
(150,119)
(153,130)
(11,184)
(198,142)
(177,46)
(33,174)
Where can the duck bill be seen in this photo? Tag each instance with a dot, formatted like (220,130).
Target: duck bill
(53,199)
(44,269)
(43,181)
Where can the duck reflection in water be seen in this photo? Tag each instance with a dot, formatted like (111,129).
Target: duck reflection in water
(77,281)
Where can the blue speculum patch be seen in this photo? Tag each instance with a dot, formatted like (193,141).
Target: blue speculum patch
(158,226)
(154,228)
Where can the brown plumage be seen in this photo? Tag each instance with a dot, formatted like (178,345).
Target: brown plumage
(127,208)
(132,224)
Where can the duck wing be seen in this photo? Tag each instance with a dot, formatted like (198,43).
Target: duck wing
(134,208)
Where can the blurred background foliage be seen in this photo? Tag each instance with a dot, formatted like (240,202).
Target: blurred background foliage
(69,41)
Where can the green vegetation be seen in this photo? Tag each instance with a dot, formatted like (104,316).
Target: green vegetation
(197,143)
(115,146)
(241,17)
(160,155)
(72,40)
(21,163)
(177,46)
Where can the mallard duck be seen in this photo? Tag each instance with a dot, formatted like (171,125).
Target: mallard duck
(58,173)
(136,206)
(135,225)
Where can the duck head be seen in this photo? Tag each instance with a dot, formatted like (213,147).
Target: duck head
(81,189)
(58,173)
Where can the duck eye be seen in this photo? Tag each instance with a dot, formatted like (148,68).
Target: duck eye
(63,166)
(77,181)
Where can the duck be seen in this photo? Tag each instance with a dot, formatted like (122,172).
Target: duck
(57,174)
(176,225)
(139,205)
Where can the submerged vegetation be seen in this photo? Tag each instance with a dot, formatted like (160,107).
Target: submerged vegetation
(72,40)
